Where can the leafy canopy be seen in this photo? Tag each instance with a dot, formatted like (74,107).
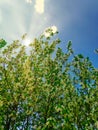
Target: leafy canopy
(44,88)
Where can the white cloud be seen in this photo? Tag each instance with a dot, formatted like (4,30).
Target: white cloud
(49,30)
(46,34)
(39,6)
(29,1)
(54,29)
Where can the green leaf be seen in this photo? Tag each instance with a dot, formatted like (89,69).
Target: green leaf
(80,56)
(2,43)
(69,45)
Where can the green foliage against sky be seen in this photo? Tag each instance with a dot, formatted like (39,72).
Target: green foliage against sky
(2,43)
(47,89)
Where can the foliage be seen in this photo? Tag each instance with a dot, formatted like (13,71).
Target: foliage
(2,43)
(47,88)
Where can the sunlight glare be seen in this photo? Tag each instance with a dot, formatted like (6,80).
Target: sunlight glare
(26,42)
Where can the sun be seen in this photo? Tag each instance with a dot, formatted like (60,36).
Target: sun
(26,41)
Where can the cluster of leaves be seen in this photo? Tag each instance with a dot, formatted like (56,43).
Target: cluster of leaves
(2,43)
(47,88)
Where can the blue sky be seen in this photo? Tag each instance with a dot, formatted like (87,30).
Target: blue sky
(76,20)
